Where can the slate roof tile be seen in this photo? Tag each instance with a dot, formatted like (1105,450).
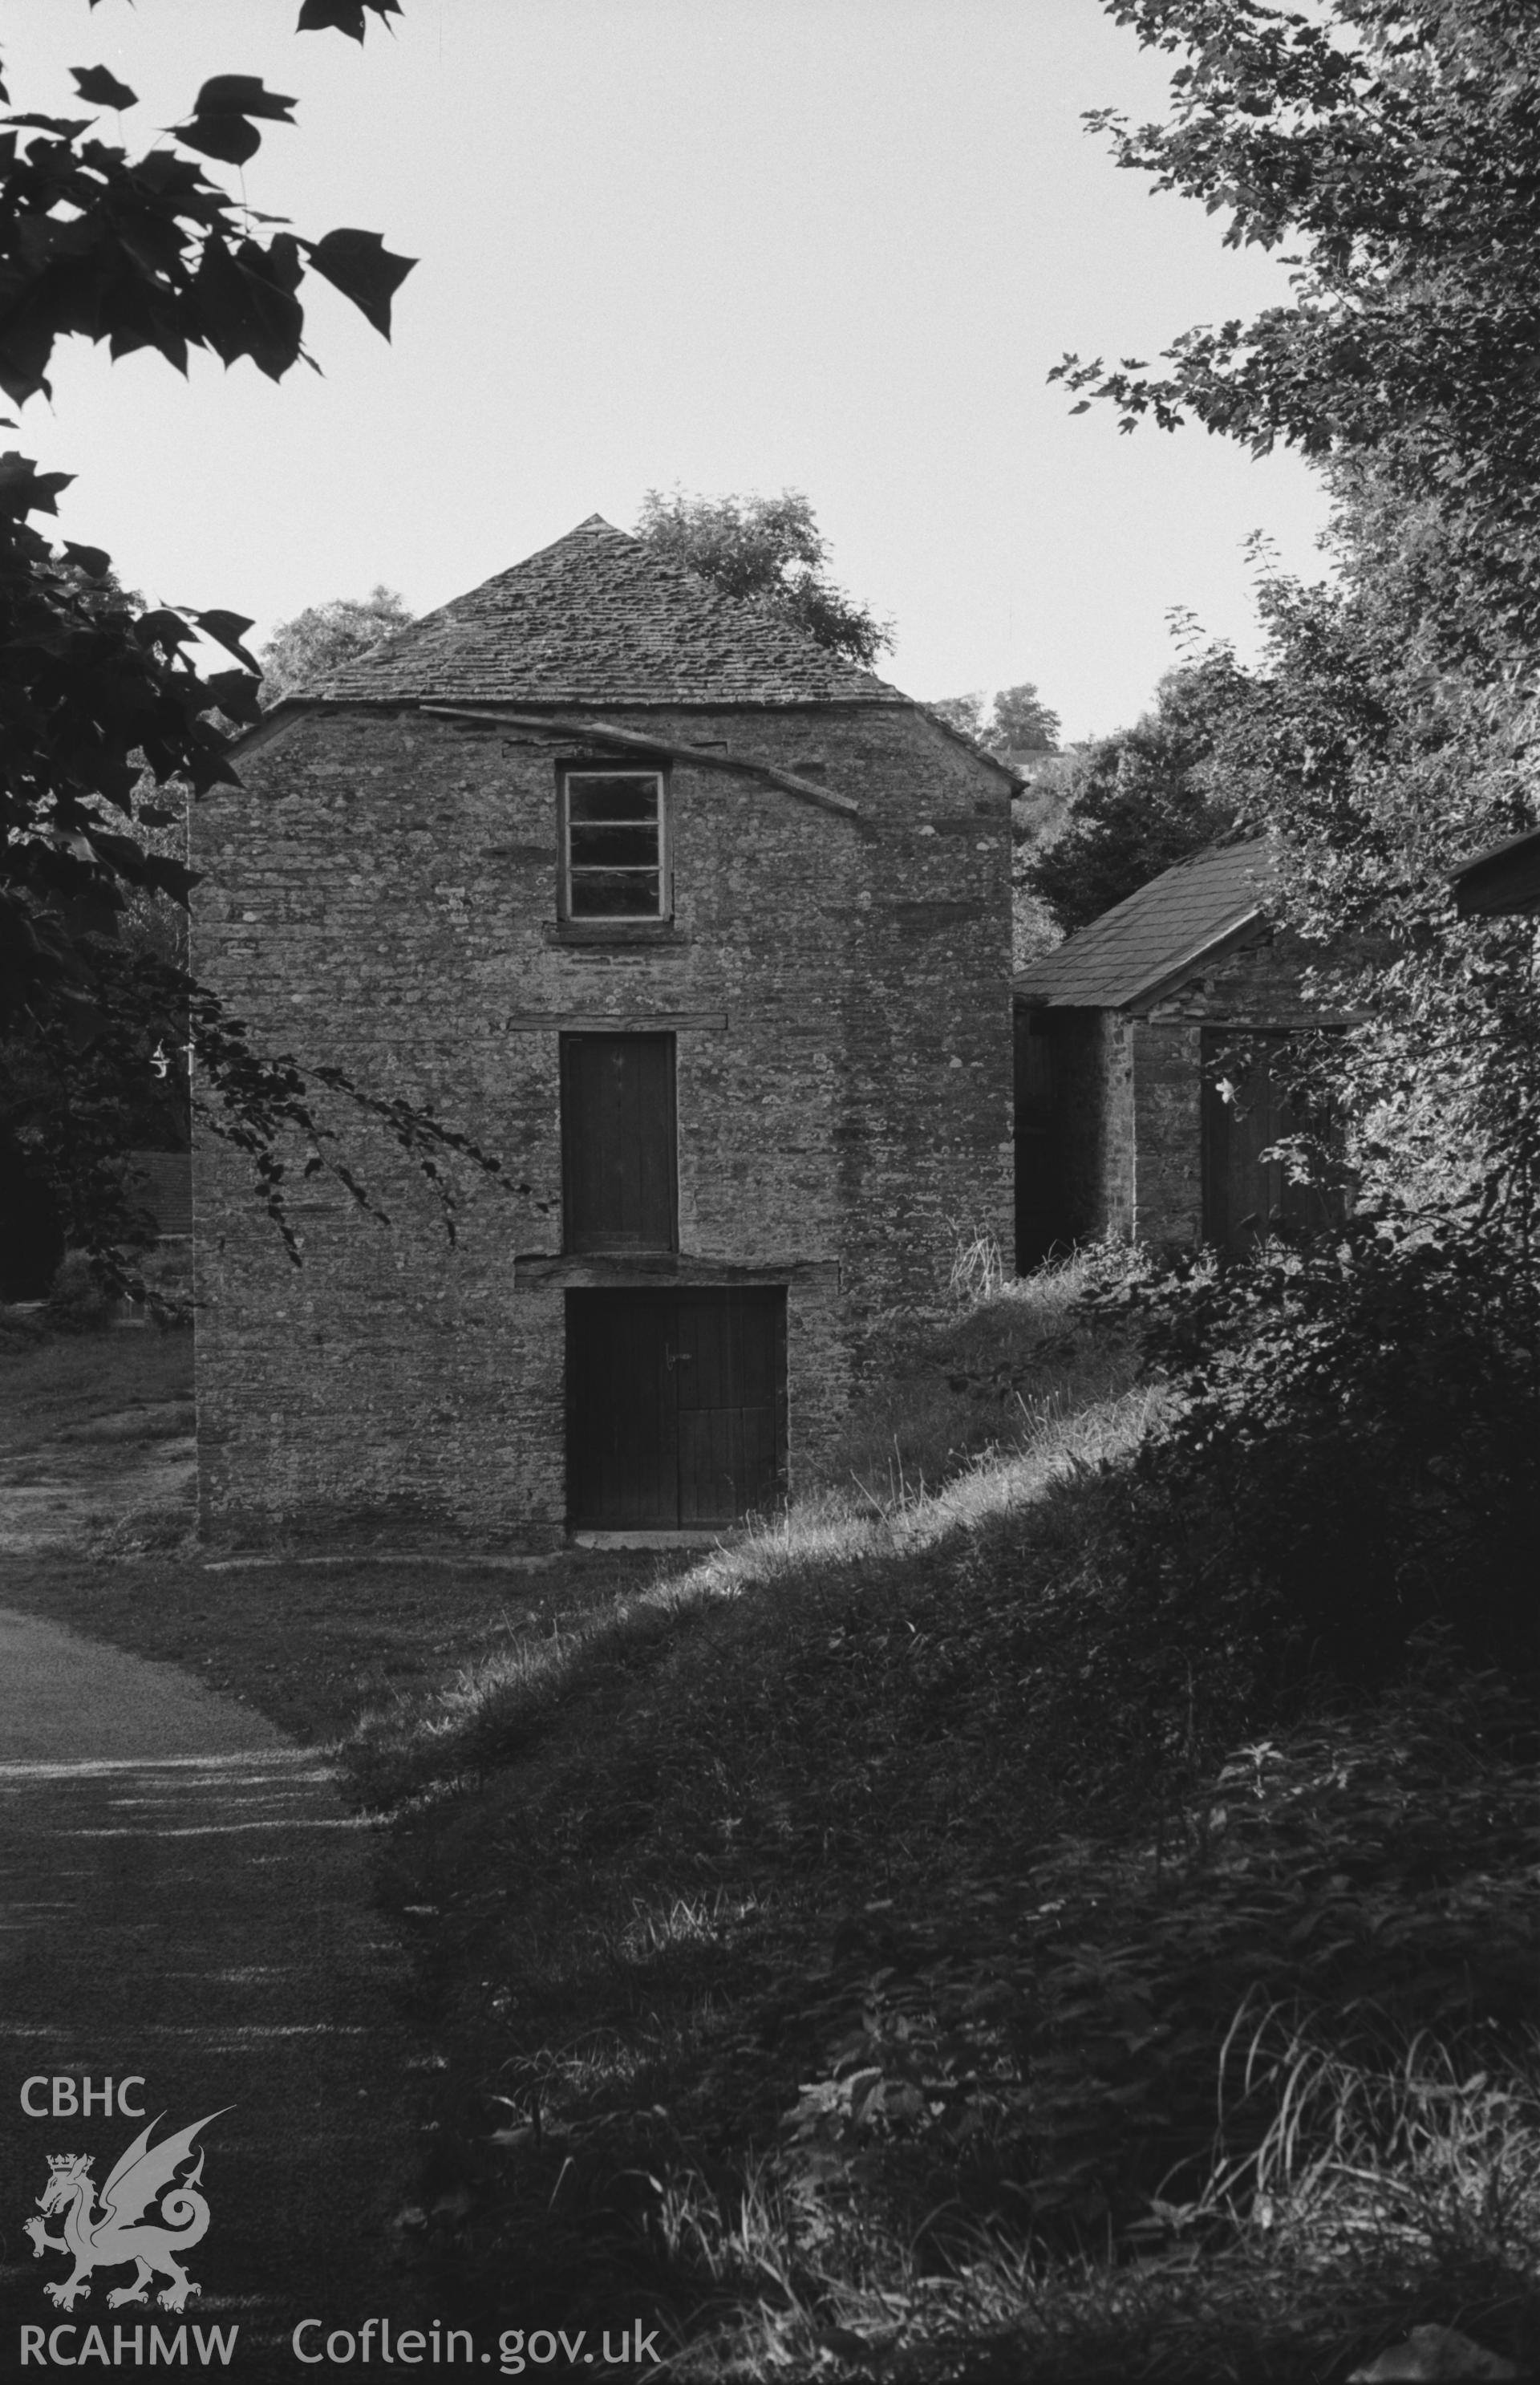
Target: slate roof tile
(1145,940)
(601,618)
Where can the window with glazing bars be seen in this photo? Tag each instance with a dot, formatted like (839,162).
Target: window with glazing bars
(614,845)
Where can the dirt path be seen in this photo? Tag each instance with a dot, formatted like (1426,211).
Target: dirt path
(183,1898)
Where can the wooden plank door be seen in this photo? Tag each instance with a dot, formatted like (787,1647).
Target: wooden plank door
(618,1172)
(1247,1198)
(675,1407)
(728,1373)
(623,1462)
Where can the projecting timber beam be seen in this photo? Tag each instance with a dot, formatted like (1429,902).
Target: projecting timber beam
(702,757)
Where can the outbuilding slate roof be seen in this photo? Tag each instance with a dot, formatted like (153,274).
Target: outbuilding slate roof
(601,618)
(1150,938)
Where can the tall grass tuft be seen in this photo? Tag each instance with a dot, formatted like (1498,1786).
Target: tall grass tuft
(978,1270)
(1433,2152)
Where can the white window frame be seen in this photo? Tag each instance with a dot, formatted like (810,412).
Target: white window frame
(665,877)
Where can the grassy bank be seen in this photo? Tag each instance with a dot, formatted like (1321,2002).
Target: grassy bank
(832,1950)
(850,1951)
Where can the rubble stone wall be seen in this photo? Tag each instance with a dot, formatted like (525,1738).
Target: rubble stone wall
(379,893)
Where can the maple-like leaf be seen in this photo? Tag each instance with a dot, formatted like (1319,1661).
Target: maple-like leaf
(229,138)
(234,95)
(343,16)
(162,628)
(363,269)
(102,88)
(220,125)
(25,490)
(228,629)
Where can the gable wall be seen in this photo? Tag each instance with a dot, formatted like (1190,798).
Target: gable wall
(380,893)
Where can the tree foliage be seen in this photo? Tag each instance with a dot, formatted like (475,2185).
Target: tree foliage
(1015,721)
(103,704)
(1352,1462)
(1393,148)
(771,551)
(1375,775)
(1390,729)
(141,253)
(1139,800)
(1353,1457)
(303,652)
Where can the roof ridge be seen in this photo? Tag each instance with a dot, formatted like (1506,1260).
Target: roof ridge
(601,615)
(1161,926)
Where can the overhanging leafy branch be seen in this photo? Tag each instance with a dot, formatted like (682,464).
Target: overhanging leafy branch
(103,703)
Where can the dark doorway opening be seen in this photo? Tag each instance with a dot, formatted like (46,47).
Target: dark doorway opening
(31,1236)
(675,1407)
(1040,1194)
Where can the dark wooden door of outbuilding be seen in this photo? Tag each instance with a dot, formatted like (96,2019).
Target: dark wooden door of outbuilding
(1247,1111)
(675,1407)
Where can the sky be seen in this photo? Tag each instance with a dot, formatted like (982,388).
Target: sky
(726,245)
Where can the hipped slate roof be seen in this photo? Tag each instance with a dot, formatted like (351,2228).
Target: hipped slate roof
(601,618)
(1152,937)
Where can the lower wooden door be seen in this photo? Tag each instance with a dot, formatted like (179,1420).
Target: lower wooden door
(675,1407)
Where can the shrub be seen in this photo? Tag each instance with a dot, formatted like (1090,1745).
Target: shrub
(79,1302)
(1350,1902)
(1352,1455)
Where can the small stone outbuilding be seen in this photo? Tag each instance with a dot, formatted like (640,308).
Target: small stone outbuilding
(1145,1079)
(705,932)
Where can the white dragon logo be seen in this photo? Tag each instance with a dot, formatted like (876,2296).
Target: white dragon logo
(140,2219)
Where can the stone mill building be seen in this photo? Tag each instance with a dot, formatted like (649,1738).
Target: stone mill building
(704,932)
